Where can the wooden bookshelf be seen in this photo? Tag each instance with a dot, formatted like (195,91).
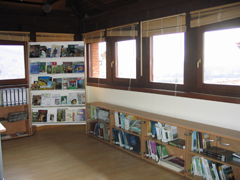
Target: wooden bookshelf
(185,129)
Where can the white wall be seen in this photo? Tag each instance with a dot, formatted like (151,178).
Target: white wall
(226,115)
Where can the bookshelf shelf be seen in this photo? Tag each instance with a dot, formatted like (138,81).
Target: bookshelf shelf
(185,133)
(64,103)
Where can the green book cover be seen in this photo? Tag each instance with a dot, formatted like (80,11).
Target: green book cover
(164,151)
(42,67)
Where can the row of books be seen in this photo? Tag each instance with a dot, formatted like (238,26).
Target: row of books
(71,50)
(127,122)
(100,130)
(55,68)
(219,153)
(100,113)
(14,96)
(163,132)
(200,141)
(61,115)
(159,153)
(58,99)
(211,170)
(49,83)
(126,140)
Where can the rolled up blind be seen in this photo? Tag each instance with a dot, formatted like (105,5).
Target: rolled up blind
(49,37)
(94,36)
(165,25)
(128,30)
(215,14)
(14,36)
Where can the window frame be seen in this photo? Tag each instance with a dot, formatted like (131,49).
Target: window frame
(95,79)
(17,82)
(111,57)
(216,89)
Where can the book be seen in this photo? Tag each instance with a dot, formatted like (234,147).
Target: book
(172,163)
(178,143)
(55,51)
(61,114)
(42,115)
(73,98)
(79,51)
(72,83)
(64,100)
(34,116)
(54,68)
(49,67)
(67,67)
(45,99)
(81,83)
(236,154)
(36,100)
(56,100)
(59,69)
(81,98)
(42,68)
(71,50)
(50,117)
(65,83)
(43,51)
(64,51)
(58,83)
(34,68)
(43,82)
(228,172)
(80,115)
(48,53)
(34,51)
(69,115)
(50,85)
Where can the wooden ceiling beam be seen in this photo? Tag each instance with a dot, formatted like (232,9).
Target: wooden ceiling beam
(98,4)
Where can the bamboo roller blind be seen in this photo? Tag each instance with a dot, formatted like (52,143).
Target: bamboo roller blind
(165,25)
(94,37)
(14,36)
(125,30)
(49,37)
(215,14)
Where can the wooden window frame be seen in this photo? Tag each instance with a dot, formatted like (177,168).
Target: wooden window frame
(225,90)
(94,79)
(17,82)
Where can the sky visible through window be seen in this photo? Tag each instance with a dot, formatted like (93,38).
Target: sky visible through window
(168,58)
(126,55)
(222,57)
(12,65)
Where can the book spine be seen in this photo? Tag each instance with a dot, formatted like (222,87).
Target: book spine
(4,97)
(16,96)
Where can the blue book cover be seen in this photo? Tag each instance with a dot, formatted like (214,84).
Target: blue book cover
(34,68)
(79,68)
(153,128)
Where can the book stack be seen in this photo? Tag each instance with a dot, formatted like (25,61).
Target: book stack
(200,141)
(100,130)
(14,96)
(219,153)
(236,156)
(127,122)
(211,170)
(126,140)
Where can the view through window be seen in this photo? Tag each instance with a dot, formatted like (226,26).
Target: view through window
(222,57)
(12,62)
(126,59)
(168,58)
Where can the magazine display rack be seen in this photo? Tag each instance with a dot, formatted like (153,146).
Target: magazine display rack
(191,149)
(57,83)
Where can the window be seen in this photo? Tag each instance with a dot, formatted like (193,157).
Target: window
(221,57)
(168,58)
(97,60)
(126,59)
(13,63)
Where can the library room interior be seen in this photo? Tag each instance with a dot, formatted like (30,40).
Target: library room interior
(119,90)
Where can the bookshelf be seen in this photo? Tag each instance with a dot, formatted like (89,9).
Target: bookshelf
(217,137)
(54,107)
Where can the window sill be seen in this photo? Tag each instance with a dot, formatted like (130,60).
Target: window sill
(194,95)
